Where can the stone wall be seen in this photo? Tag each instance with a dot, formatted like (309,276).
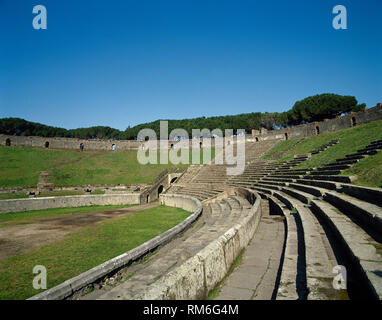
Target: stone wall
(314,128)
(347,121)
(68,143)
(17,205)
(179,201)
(93,144)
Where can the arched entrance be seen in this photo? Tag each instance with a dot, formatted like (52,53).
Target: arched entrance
(353,121)
(172,146)
(47,144)
(173,179)
(113,147)
(317,130)
(148,198)
(286,135)
(8,142)
(160,190)
(200,145)
(257,139)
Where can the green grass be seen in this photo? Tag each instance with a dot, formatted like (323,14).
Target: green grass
(98,192)
(4,196)
(369,170)
(21,166)
(61,193)
(58,193)
(85,249)
(13,218)
(281,148)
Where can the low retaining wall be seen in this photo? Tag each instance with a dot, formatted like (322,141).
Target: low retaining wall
(180,201)
(96,274)
(17,205)
(197,276)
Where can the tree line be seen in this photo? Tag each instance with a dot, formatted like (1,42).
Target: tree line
(313,108)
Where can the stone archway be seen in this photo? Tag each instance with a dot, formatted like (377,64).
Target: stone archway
(200,145)
(317,130)
(148,198)
(173,179)
(257,139)
(47,144)
(353,121)
(286,135)
(8,142)
(160,190)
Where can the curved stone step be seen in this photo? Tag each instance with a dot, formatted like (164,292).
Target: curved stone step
(352,236)
(336,166)
(344,179)
(372,195)
(287,288)
(358,244)
(354,156)
(300,195)
(343,161)
(319,183)
(278,179)
(369,214)
(367,152)
(317,253)
(376,147)
(324,172)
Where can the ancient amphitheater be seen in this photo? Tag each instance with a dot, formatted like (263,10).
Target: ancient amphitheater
(290,227)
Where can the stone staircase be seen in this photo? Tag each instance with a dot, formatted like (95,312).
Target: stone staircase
(43,181)
(189,175)
(328,223)
(206,181)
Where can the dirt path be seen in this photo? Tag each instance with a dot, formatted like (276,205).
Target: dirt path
(23,238)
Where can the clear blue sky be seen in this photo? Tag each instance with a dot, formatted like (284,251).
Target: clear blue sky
(120,63)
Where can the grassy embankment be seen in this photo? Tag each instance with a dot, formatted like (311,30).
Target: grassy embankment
(21,167)
(82,250)
(368,170)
